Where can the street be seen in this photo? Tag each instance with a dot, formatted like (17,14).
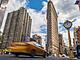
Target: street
(23,57)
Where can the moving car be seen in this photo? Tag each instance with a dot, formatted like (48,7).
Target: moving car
(27,48)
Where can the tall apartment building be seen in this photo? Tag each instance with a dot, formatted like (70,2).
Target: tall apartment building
(76,39)
(63,46)
(46,43)
(3,6)
(60,43)
(0,38)
(38,38)
(52,29)
(17,27)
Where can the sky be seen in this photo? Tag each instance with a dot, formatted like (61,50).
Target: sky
(37,9)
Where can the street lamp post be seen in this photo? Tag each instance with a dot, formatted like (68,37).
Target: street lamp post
(67,24)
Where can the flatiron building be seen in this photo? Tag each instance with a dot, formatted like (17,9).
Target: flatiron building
(52,29)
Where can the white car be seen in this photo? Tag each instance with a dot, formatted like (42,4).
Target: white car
(63,55)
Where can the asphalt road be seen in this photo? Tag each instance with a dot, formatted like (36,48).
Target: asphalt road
(23,57)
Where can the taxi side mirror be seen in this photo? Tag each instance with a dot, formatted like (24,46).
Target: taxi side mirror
(42,47)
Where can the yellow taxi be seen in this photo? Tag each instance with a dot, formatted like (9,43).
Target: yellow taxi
(27,48)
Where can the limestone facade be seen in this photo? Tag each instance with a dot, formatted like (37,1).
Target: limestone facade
(17,27)
(52,29)
(3,6)
(60,43)
(63,46)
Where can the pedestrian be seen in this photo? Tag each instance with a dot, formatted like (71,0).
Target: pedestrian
(9,51)
(1,51)
(5,50)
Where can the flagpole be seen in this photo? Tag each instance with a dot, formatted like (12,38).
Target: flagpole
(78,3)
(79,7)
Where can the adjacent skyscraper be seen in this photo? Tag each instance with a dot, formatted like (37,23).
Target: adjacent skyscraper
(52,29)
(17,27)
(38,38)
(76,39)
(3,6)
(60,43)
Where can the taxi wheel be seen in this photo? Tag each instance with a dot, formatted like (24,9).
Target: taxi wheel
(44,56)
(33,53)
(16,55)
(78,57)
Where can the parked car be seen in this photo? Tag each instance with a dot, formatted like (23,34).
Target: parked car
(27,48)
(78,51)
(54,55)
(75,53)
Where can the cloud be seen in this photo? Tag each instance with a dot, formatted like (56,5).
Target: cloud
(16,4)
(67,9)
(38,20)
(45,5)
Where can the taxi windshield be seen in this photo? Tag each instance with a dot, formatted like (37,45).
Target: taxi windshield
(38,45)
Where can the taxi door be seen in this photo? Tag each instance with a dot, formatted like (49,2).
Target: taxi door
(41,51)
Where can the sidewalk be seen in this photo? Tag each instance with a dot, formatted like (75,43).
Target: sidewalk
(71,58)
